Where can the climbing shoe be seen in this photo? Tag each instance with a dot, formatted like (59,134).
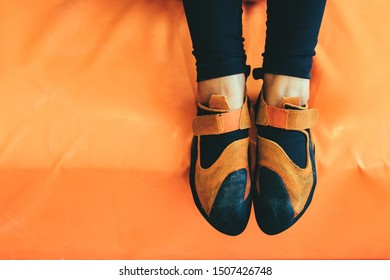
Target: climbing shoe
(219,170)
(285,172)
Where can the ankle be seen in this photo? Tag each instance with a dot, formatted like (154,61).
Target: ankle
(275,87)
(233,87)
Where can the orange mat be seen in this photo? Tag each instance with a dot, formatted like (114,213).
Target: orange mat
(96,104)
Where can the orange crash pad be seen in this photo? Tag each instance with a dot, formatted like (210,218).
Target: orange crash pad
(96,105)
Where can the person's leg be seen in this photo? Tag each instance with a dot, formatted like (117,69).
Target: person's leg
(232,86)
(285,172)
(292,34)
(219,171)
(216,32)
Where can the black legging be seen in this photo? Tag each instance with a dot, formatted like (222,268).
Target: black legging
(216,33)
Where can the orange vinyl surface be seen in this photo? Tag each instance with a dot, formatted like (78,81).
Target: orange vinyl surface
(96,105)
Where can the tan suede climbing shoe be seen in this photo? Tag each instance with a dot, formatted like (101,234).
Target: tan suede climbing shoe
(285,175)
(219,172)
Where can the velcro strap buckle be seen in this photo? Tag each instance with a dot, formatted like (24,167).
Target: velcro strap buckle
(291,119)
(222,122)
(217,123)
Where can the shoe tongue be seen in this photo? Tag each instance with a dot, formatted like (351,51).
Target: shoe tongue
(218,104)
(290,103)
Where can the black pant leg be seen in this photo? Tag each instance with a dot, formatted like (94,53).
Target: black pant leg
(292,34)
(216,32)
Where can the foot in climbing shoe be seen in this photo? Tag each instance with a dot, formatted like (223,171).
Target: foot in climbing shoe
(219,171)
(285,174)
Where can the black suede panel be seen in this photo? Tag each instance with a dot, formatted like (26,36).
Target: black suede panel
(228,218)
(230,212)
(273,209)
(212,146)
(274,212)
(292,142)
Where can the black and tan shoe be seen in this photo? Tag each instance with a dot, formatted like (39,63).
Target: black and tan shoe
(219,172)
(285,174)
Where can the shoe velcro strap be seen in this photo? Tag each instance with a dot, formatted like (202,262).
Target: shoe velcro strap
(222,122)
(290,119)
